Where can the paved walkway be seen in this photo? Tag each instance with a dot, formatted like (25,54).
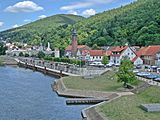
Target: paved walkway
(70,70)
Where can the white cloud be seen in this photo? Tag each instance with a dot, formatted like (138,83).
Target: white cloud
(15,26)
(86,3)
(1,24)
(42,16)
(25,6)
(73,12)
(76,6)
(27,20)
(89,12)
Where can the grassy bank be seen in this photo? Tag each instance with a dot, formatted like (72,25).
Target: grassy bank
(1,61)
(106,82)
(6,60)
(128,108)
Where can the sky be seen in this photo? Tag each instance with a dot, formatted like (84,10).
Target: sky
(14,13)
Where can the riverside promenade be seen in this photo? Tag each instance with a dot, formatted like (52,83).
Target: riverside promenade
(58,68)
(46,67)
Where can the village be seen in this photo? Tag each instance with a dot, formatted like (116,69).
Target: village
(148,56)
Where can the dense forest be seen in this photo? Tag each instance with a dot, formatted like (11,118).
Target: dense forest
(137,24)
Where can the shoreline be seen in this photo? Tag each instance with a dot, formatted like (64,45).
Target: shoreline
(89,113)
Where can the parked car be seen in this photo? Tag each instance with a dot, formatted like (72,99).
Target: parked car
(135,71)
(109,65)
(117,64)
(138,66)
(98,64)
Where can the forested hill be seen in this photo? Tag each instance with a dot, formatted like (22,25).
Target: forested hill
(137,24)
(39,30)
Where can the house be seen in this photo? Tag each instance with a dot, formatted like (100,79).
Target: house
(75,50)
(119,52)
(94,55)
(149,54)
(157,62)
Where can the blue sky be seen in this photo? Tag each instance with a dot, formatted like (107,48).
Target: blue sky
(14,13)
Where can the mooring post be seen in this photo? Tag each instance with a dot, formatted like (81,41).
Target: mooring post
(61,73)
(45,70)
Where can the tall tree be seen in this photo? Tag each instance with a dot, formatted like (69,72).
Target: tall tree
(125,73)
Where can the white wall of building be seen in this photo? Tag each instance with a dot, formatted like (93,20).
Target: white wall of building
(158,59)
(96,58)
(129,53)
(138,61)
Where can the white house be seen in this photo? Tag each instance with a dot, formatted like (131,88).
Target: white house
(93,55)
(137,60)
(158,59)
(117,53)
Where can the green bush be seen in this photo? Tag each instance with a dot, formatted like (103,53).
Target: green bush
(70,61)
(41,54)
(47,57)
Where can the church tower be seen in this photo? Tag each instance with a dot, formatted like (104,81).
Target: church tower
(74,43)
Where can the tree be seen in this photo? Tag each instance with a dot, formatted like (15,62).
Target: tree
(125,73)
(105,60)
(95,47)
(2,49)
(21,54)
(41,54)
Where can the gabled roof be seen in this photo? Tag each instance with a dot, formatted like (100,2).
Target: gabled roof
(149,51)
(119,48)
(135,58)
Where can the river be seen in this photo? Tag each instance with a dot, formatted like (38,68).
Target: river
(27,95)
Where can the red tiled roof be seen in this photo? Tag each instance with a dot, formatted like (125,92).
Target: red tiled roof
(119,48)
(97,52)
(108,53)
(150,50)
(135,58)
(79,47)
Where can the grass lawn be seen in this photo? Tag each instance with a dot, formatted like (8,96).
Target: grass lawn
(107,82)
(127,108)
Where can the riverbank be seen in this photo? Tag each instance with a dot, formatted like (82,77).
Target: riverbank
(128,107)
(6,60)
(89,113)
(103,86)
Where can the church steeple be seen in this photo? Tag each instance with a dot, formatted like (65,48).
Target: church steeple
(74,43)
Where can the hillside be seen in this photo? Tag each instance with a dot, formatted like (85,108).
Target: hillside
(36,31)
(137,24)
